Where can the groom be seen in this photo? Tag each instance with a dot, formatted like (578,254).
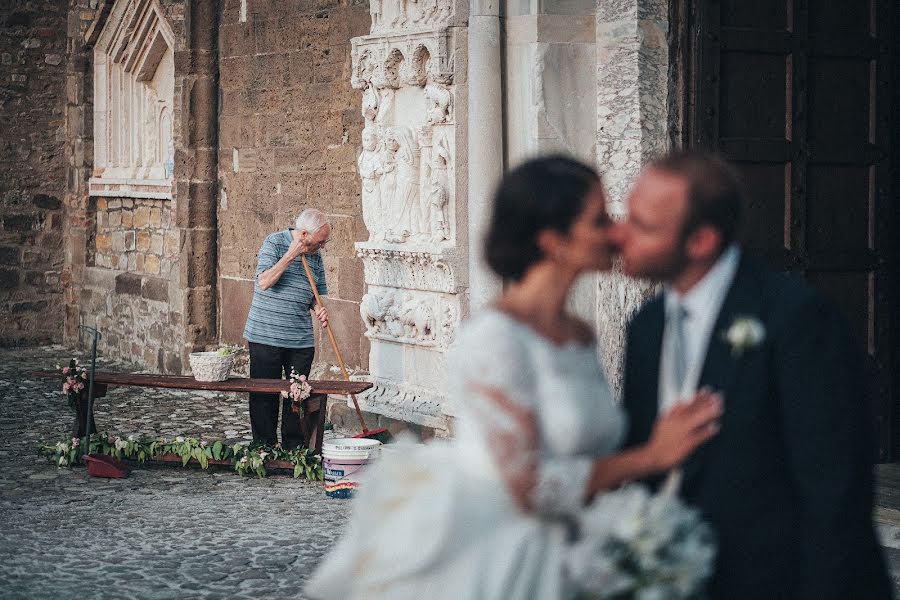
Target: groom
(787,483)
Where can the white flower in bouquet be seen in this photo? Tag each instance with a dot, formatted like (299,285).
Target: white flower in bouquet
(637,545)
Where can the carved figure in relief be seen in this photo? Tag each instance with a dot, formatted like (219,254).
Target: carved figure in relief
(385,104)
(406,220)
(387,191)
(390,314)
(418,320)
(375,11)
(439,99)
(373,310)
(370,104)
(437,194)
(448,324)
(369,167)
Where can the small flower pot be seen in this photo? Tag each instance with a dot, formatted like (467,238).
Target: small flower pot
(210,366)
(99,465)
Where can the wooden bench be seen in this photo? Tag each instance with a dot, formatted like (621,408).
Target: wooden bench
(315,403)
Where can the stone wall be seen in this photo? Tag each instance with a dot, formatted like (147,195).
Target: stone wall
(125,256)
(289,135)
(632,128)
(32,92)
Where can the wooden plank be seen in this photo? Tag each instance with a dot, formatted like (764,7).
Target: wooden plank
(232,384)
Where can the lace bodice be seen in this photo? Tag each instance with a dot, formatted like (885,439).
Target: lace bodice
(562,386)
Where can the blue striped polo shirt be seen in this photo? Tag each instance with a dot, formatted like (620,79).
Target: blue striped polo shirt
(279,316)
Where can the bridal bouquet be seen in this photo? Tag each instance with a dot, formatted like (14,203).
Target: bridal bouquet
(636,545)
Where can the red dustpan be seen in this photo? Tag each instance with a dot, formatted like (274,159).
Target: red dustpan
(99,465)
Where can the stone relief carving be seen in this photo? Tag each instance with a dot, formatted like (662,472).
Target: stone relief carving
(404,143)
(408,270)
(369,167)
(406,184)
(390,15)
(396,315)
(437,193)
(406,402)
(414,59)
(439,98)
(412,306)
(134,79)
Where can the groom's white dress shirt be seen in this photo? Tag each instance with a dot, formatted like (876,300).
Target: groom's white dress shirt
(701,307)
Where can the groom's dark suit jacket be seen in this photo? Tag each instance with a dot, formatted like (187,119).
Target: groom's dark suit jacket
(787,482)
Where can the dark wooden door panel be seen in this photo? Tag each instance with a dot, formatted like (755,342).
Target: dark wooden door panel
(797,94)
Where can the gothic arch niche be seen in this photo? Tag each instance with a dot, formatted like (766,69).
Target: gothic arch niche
(134,85)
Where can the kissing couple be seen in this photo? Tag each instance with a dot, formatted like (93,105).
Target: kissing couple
(739,378)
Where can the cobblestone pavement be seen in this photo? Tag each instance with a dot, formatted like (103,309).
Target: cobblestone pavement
(164,532)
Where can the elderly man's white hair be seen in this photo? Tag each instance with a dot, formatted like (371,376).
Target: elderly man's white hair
(311,220)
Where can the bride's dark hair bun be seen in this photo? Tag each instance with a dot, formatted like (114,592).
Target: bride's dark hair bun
(542,193)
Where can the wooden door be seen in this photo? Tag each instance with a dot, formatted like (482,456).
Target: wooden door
(798,94)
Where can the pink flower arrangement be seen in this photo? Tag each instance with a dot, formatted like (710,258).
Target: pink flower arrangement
(300,391)
(74,382)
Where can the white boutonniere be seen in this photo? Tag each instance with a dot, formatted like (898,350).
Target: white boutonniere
(746,332)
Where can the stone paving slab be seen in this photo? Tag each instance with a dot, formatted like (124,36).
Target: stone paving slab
(163,532)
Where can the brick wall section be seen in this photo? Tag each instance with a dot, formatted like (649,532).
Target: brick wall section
(32,91)
(289,135)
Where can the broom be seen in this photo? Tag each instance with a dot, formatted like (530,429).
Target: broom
(381,434)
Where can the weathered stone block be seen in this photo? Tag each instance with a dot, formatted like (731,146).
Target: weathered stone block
(170,244)
(235,296)
(201,207)
(34,278)
(204,112)
(9,279)
(10,256)
(156,244)
(151,264)
(200,308)
(128,283)
(199,260)
(20,222)
(28,307)
(103,241)
(46,202)
(154,288)
(143,240)
(141,217)
(118,242)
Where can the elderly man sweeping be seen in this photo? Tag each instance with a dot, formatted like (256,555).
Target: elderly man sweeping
(279,326)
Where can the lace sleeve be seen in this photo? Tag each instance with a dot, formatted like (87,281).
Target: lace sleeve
(498,389)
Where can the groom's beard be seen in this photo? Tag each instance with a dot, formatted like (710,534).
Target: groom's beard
(669,265)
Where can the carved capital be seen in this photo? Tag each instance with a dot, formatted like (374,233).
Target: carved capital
(396,268)
(394,60)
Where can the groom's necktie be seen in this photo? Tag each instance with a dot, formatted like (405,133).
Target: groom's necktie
(679,346)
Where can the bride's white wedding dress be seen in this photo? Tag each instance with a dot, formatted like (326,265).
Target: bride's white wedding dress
(436,520)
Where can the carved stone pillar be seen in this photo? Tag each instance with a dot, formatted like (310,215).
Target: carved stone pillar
(411,71)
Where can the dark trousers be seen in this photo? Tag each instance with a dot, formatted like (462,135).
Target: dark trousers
(270,362)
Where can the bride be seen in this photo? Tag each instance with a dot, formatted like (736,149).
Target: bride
(489,514)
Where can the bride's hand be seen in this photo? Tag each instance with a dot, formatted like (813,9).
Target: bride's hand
(678,432)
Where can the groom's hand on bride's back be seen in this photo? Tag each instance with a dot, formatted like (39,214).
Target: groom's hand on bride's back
(686,426)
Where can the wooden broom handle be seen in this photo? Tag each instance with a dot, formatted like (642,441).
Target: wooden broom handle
(337,353)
